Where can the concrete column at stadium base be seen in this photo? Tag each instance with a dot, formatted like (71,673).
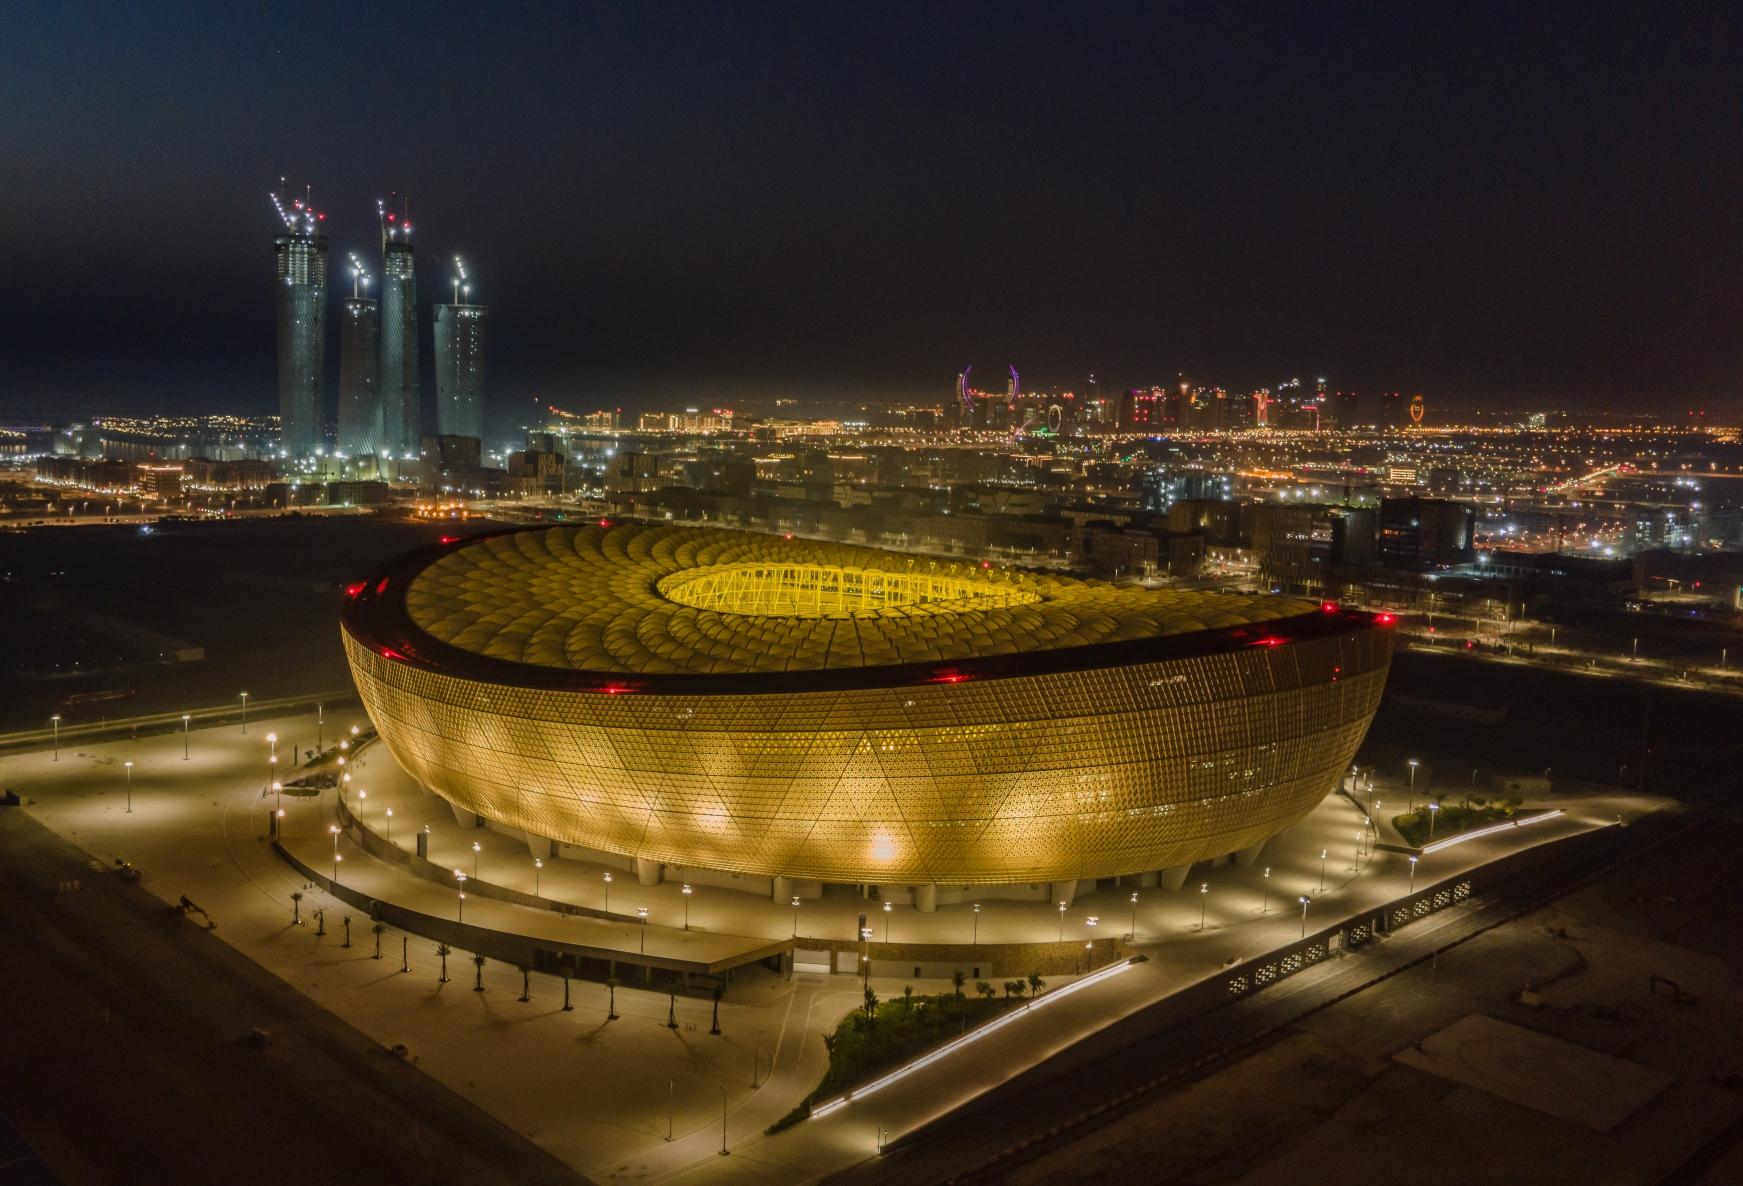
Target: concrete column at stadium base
(647,872)
(1249,854)
(539,847)
(1062,891)
(780,890)
(1174,878)
(1148,879)
(926,899)
(466,819)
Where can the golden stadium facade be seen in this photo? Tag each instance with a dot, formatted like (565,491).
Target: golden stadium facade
(809,710)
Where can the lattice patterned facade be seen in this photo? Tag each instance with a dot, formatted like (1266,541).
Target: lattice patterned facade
(1122,765)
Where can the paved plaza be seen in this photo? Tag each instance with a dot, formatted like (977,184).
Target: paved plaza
(600,1094)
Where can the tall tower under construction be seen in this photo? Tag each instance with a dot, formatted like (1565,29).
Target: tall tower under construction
(461,334)
(360,369)
(400,419)
(300,259)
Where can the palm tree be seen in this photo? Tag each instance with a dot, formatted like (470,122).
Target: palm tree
(442,949)
(672,1011)
(871,1006)
(378,928)
(1013,986)
(957,980)
(984,989)
(611,1006)
(1036,984)
(718,993)
(526,983)
(478,963)
(908,996)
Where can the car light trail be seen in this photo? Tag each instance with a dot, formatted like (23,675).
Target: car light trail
(1488,831)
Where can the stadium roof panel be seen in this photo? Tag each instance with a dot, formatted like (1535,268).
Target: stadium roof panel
(639,599)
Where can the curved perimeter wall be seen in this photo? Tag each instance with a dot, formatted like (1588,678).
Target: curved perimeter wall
(1075,774)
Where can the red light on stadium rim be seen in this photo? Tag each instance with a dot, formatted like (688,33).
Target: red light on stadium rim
(390,653)
(450,539)
(947,677)
(355,589)
(1384,619)
(605,523)
(1270,640)
(1330,607)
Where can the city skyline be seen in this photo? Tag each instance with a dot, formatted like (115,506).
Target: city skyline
(1483,207)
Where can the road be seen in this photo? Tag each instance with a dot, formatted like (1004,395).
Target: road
(1153,1051)
(125,1042)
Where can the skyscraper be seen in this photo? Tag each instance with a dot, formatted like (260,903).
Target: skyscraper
(300,257)
(360,370)
(401,422)
(461,332)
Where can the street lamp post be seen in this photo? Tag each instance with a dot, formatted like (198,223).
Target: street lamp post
(1433,814)
(460,877)
(186,718)
(55,722)
(608,893)
(686,891)
(888,910)
(1133,937)
(641,912)
(333,829)
(1413,784)
(1322,853)
(389,814)
(795,905)
(1265,903)
(245,714)
(320,721)
(539,864)
(974,927)
(1203,896)
(272,746)
(129,766)
(476,849)
(1062,922)
(1413,874)
(1091,922)
(1304,901)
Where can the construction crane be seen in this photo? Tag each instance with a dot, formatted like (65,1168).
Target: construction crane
(461,287)
(359,276)
(394,224)
(298,214)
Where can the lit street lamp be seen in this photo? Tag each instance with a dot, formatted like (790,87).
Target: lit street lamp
(1089,948)
(129,766)
(1322,853)
(641,912)
(1203,896)
(795,916)
(1133,937)
(539,864)
(272,743)
(390,825)
(334,829)
(55,722)
(1265,905)
(1413,874)
(1413,784)
(608,893)
(686,891)
(974,932)
(1304,901)
(476,849)
(888,910)
(186,717)
(1433,814)
(245,714)
(460,876)
(1062,922)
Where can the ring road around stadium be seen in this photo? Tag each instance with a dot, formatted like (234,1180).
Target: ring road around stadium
(805,711)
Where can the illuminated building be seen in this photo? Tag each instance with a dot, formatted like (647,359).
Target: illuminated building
(359,377)
(300,307)
(401,419)
(460,341)
(791,709)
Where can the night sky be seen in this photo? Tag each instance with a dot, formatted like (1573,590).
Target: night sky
(1494,204)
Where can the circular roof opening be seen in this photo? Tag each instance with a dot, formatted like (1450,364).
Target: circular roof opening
(829,591)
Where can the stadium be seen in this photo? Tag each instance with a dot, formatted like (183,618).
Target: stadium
(792,711)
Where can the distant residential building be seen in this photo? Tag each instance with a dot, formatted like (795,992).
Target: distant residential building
(1426,532)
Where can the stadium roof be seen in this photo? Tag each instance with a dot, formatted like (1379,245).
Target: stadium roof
(658,600)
